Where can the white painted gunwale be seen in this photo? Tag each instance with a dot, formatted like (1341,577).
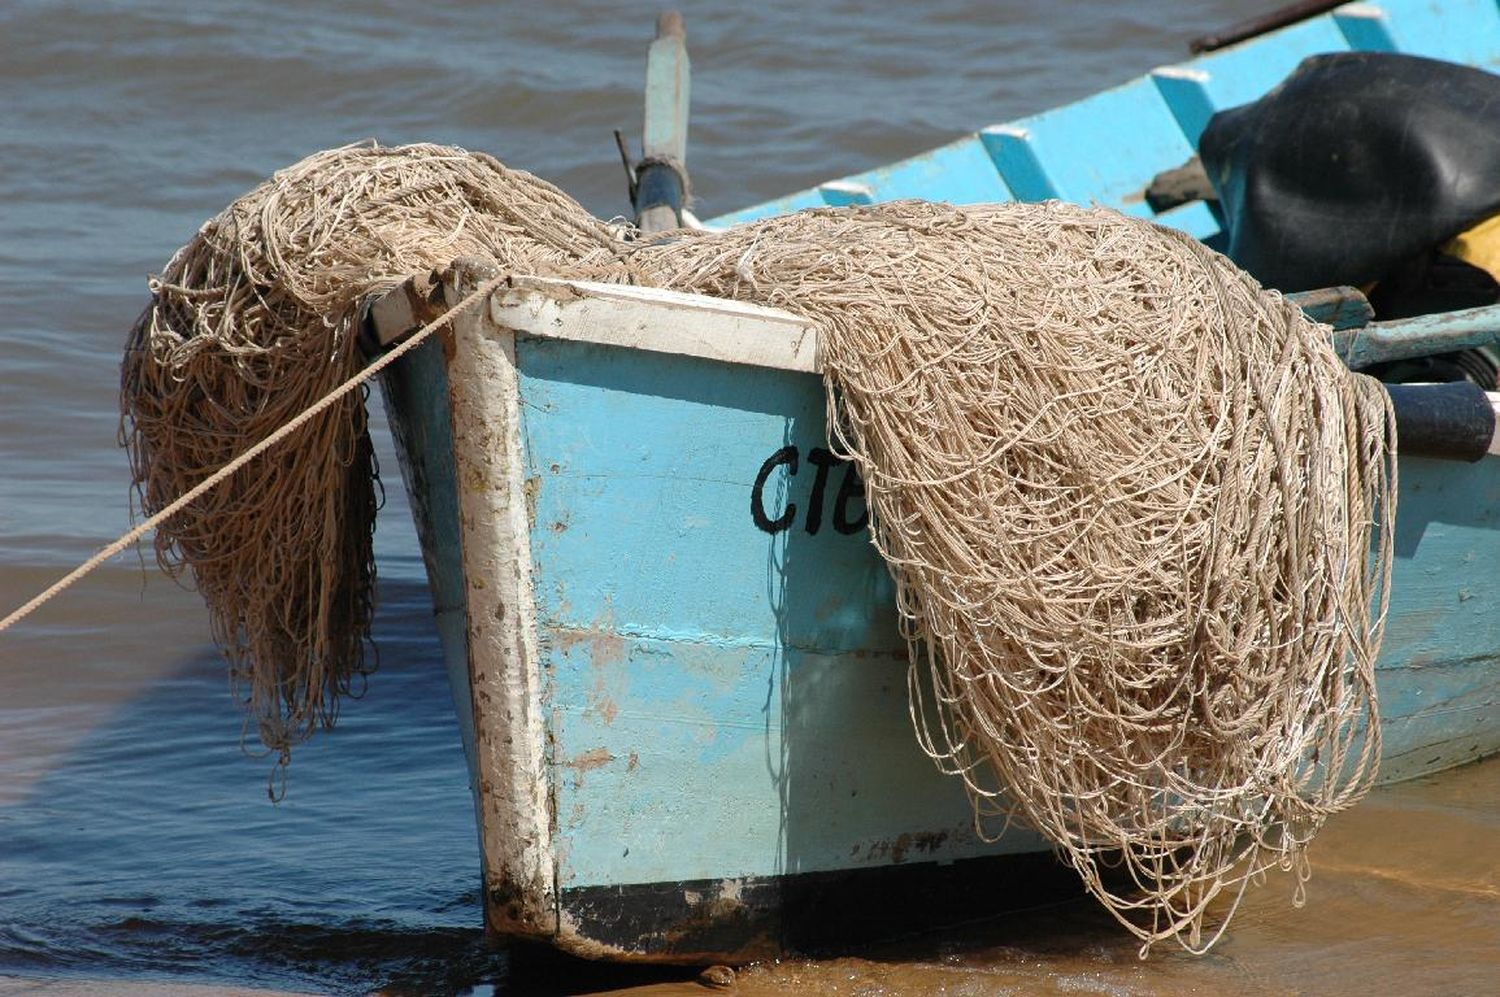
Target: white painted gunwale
(660,321)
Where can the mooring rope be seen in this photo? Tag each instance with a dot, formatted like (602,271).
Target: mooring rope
(227,471)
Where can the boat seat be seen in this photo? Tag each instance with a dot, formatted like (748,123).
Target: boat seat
(1358,163)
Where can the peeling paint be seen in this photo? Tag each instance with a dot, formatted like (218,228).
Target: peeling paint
(590,759)
(604,645)
(531,489)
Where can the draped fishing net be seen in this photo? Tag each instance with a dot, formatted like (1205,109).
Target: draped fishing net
(1138,513)
(250,322)
(1128,498)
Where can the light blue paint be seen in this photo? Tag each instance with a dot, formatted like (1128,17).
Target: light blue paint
(1422,335)
(669,447)
(1102,150)
(1466,31)
(1015,155)
(1242,74)
(724,702)
(798,762)
(799,201)
(961,172)
(702,673)
(1439,669)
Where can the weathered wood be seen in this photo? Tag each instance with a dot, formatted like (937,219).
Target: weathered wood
(1340,307)
(668,85)
(646,318)
(643,318)
(1262,24)
(1425,335)
(389,318)
(515,816)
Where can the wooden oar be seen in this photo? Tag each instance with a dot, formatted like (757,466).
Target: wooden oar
(1262,24)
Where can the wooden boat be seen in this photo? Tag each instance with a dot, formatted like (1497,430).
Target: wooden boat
(674,653)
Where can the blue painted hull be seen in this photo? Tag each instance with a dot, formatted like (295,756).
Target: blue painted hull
(719,689)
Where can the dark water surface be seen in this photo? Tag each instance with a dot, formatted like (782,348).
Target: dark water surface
(137,844)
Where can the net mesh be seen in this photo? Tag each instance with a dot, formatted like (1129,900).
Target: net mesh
(252,321)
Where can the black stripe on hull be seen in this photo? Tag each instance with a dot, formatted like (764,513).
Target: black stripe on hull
(736,921)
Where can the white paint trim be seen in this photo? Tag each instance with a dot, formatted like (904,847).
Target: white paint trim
(514,801)
(1368,11)
(1189,73)
(646,318)
(1008,131)
(849,188)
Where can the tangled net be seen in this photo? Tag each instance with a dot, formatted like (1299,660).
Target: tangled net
(1138,513)
(249,323)
(1128,498)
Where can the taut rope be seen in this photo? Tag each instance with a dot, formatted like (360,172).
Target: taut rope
(224,473)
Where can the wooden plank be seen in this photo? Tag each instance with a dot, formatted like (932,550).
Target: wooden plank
(515,818)
(1424,335)
(668,85)
(501,628)
(1340,307)
(388,318)
(645,318)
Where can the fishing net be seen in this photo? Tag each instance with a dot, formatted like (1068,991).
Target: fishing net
(252,321)
(1137,512)
(1138,515)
